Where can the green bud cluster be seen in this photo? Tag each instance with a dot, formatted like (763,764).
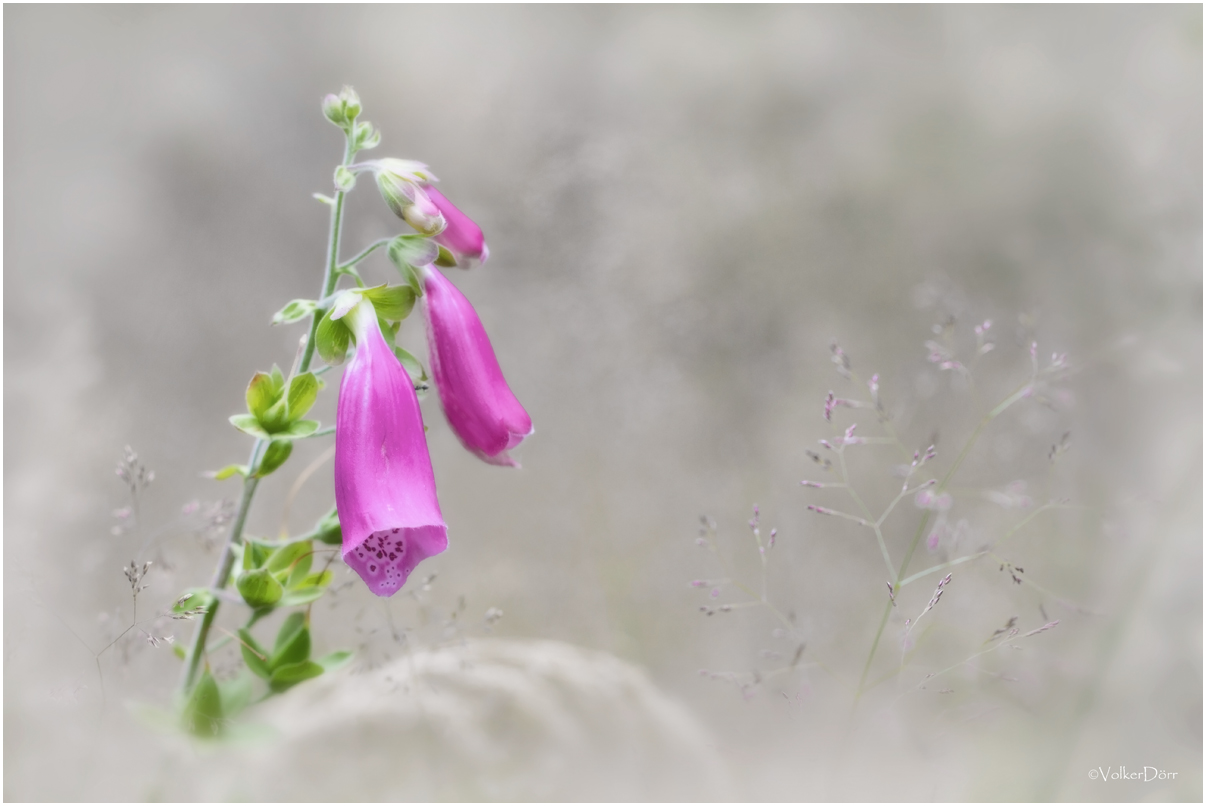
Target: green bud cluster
(275,411)
(342,109)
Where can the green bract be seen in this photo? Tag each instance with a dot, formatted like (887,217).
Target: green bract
(275,414)
(259,588)
(288,566)
(203,715)
(345,180)
(294,311)
(332,340)
(365,136)
(327,530)
(393,303)
(276,455)
(409,253)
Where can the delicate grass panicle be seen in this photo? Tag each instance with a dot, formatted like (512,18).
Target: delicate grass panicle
(935,525)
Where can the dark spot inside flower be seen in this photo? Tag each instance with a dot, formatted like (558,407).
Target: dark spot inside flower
(373,568)
(395,531)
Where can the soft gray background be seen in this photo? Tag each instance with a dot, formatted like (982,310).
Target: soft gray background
(684,205)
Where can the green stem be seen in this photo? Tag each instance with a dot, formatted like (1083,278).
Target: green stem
(197,649)
(373,247)
(222,574)
(331,273)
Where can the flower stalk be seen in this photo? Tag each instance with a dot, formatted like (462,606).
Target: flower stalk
(197,648)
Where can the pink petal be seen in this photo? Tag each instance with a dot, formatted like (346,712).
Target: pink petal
(462,236)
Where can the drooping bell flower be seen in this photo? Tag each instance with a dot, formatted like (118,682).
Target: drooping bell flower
(384,486)
(479,405)
(462,236)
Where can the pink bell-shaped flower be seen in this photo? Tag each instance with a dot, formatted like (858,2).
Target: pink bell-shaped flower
(384,487)
(480,407)
(461,236)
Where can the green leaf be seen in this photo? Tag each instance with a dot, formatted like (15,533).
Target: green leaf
(276,417)
(300,570)
(278,381)
(203,711)
(328,529)
(292,642)
(393,303)
(318,580)
(228,471)
(248,424)
(255,554)
(335,660)
(388,332)
(301,596)
(261,394)
(290,674)
(305,588)
(278,451)
(332,340)
(296,309)
(236,694)
(254,655)
(446,259)
(413,365)
(303,391)
(344,302)
(259,588)
(297,430)
(289,557)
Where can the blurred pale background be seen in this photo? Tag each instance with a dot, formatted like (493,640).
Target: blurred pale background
(684,206)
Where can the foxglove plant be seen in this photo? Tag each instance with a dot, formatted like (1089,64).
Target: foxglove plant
(387,515)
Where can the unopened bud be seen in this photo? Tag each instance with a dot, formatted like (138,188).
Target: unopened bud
(332,109)
(351,103)
(410,203)
(345,180)
(423,221)
(366,136)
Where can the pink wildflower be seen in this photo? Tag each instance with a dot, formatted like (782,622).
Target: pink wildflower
(479,405)
(384,486)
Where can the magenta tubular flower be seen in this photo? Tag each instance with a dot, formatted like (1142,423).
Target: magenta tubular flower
(384,486)
(475,397)
(462,236)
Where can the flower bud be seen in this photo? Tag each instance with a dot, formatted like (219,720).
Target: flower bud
(409,202)
(365,136)
(332,109)
(351,103)
(345,180)
(462,238)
